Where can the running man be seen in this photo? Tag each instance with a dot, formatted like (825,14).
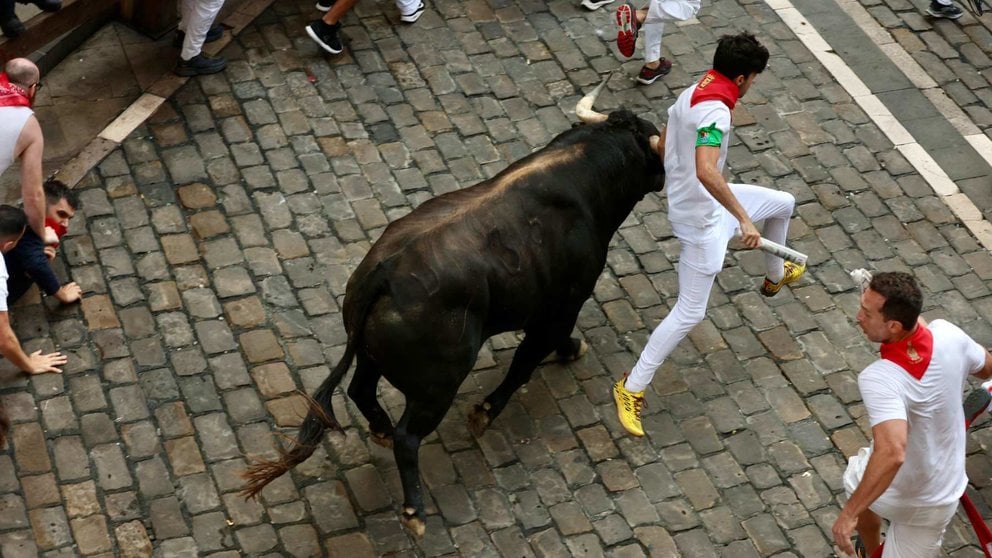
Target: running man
(652,19)
(706,211)
(913,474)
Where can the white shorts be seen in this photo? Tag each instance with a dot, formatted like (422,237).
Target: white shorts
(913,532)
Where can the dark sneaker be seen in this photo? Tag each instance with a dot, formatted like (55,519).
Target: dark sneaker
(414,15)
(12,27)
(326,35)
(976,403)
(595,4)
(215,32)
(199,65)
(325,5)
(945,11)
(650,75)
(48,5)
(627,28)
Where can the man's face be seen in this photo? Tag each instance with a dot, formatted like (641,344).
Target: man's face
(746,82)
(8,244)
(877,329)
(60,212)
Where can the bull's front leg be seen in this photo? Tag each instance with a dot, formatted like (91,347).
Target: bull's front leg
(537,344)
(406,449)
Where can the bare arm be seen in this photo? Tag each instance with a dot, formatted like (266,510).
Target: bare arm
(986,371)
(36,363)
(714,182)
(886,458)
(30,148)
(661,144)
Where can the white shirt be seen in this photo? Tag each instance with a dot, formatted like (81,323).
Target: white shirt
(3,284)
(12,121)
(933,473)
(689,202)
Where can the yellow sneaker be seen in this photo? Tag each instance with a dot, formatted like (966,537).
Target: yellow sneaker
(793,272)
(629,405)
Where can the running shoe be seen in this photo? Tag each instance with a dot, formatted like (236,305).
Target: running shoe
(414,15)
(651,75)
(326,35)
(944,11)
(629,405)
(325,5)
(793,272)
(593,5)
(627,28)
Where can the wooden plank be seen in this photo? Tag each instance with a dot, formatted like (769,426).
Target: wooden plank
(46,27)
(91,155)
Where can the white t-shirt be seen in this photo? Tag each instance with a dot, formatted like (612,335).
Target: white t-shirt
(3,284)
(688,201)
(12,120)
(933,473)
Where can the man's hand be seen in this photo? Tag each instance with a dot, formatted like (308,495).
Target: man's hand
(843,529)
(69,293)
(40,364)
(49,253)
(749,234)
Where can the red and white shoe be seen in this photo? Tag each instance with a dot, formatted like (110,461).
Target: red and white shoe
(627,28)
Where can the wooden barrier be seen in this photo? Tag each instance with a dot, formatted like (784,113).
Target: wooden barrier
(45,27)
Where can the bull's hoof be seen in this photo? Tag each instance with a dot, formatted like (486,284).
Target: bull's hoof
(579,348)
(413,523)
(479,419)
(384,440)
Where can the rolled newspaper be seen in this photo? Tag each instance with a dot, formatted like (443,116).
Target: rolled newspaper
(861,277)
(779,250)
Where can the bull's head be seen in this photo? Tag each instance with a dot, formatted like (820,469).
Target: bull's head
(585,112)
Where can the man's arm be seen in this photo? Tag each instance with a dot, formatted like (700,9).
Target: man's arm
(714,182)
(36,363)
(985,372)
(30,148)
(887,457)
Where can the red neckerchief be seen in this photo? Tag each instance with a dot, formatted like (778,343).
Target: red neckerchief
(56,226)
(913,353)
(716,87)
(11,95)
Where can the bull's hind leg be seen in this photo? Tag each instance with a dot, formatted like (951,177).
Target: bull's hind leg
(362,391)
(537,344)
(419,419)
(571,348)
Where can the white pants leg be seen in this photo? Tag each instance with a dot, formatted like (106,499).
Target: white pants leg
(660,11)
(198,16)
(700,259)
(407,7)
(914,532)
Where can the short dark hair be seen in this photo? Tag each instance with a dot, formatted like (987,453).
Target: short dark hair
(903,298)
(12,221)
(56,190)
(740,55)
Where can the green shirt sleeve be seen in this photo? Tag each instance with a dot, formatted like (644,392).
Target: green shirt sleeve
(710,135)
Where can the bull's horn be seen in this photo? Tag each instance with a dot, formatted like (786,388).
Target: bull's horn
(583,109)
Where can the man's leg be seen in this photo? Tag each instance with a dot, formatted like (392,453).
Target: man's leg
(870,530)
(773,207)
(326,30)
(201,14)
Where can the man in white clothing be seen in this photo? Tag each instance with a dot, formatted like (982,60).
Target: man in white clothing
(20,135)
(914,472)
(652,19)
(196,23)
(706,211)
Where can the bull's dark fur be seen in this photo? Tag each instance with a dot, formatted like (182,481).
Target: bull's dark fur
(521,251)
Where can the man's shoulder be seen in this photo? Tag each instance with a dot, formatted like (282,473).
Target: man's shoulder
(28,244)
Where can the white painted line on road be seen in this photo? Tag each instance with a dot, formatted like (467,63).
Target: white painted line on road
(929,169)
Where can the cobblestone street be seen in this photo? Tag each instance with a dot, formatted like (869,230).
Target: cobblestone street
(214,246)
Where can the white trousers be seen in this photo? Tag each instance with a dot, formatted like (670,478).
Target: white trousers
(700,259)
(407,7)
(660,11)
(914,532)
(197,17)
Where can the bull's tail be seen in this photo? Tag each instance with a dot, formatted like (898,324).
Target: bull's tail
(320,417)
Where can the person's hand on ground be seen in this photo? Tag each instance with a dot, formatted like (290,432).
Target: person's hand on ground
(69,293)
(41,364)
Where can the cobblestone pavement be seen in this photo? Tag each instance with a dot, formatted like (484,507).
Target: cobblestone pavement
(215,245)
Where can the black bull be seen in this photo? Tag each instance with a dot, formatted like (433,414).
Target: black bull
(521,251)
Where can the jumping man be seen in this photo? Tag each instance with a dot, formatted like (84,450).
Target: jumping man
(706,211)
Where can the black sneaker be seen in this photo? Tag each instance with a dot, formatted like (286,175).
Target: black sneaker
(199,65)
(325,5)
(651,75)
(215,32)
(945,11)
(414,15)
(12,27)
(326,35)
